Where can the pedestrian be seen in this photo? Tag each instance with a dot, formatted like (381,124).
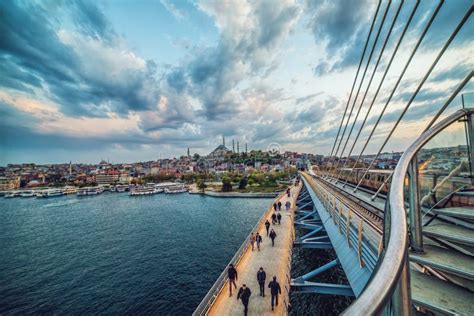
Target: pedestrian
(279,218)
(273,236)
(261,276)
(252,240)
(244,295)
(275,206)
(288,192)
(267,226)
(274,218)
(258,239)
(274,291)
(279,205)
(288,205)
(232,275)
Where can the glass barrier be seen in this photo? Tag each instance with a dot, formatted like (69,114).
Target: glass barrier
(443,165)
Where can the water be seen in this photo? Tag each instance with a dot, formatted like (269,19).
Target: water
(115,254)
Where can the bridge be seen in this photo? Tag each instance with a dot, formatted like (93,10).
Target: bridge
(403,237)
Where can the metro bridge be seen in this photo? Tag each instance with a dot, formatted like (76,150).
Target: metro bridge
(405,237)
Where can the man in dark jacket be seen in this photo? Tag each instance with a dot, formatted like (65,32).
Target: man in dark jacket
(274,290)
(279,205)
(232,275)
(258,239)
(272,237)
(279,218)
(274,218)
(261,276)
(244,295)
(267,226)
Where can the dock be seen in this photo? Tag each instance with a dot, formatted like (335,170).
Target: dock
(276,261)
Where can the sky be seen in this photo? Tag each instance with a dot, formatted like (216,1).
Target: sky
(142,80)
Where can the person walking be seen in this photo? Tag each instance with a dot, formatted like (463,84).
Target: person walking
(267,226)
(261,276)
(232,275)
(272,237)
(252,240)
(274,218)
(279,205)
(274,291)
(258,239)
(288,192)
(279,218)
(288,205)
(244,295)
(275,207)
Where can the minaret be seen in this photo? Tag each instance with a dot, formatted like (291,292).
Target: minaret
(70,168)
(238,147)
(223,140)
(189,155)
(233,146)
(245,147)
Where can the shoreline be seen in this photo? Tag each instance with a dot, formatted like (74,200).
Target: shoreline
(238,194)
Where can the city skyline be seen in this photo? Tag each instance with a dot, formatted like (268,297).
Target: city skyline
(136,80)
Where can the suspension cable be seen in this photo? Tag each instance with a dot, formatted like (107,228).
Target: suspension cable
(428,25)
(357,74)
(387,38)
(441,53)
(441,110)
(363,75)
(412,14)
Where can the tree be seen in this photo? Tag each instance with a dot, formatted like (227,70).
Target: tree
(243,183)
(200,184)
(226,184)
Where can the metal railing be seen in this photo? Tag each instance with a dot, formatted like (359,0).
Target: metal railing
(389,288)
(211,296)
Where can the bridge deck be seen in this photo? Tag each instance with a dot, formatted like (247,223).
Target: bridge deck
(274,260)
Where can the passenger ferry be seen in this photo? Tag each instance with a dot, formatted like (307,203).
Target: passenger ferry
(49,193)
(176,189)
(69,190)
(27,193)
(81,192)
(142,191)
(12,194)
(120,188)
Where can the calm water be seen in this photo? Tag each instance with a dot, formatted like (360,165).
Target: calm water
(115,254)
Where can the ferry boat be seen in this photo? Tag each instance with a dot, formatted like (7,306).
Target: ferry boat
(119,188)
(53,193)
(176,189)
(142,191)
(27,193)
(81,192)
(12,194)
(69,190)
(49,193)
(93,191)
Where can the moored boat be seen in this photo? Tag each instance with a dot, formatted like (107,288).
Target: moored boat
(176,189)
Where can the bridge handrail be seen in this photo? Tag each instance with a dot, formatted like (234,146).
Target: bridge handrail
(381,288)
(210,297)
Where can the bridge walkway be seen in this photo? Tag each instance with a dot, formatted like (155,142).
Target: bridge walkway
(274,260)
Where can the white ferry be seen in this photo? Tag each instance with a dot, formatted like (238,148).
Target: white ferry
(119,188)
(142,191)
(49,193)
(81,192)
(69,190)
(176,189)
(12,194)
(27,193)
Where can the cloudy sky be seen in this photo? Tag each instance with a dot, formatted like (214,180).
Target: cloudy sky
(144,79)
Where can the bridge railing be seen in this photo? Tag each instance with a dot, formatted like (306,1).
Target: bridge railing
(389,288)
(360,233)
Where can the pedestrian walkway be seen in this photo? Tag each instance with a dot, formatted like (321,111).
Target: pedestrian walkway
(274,260)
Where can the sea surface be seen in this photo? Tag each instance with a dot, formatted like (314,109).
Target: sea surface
(113,254)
